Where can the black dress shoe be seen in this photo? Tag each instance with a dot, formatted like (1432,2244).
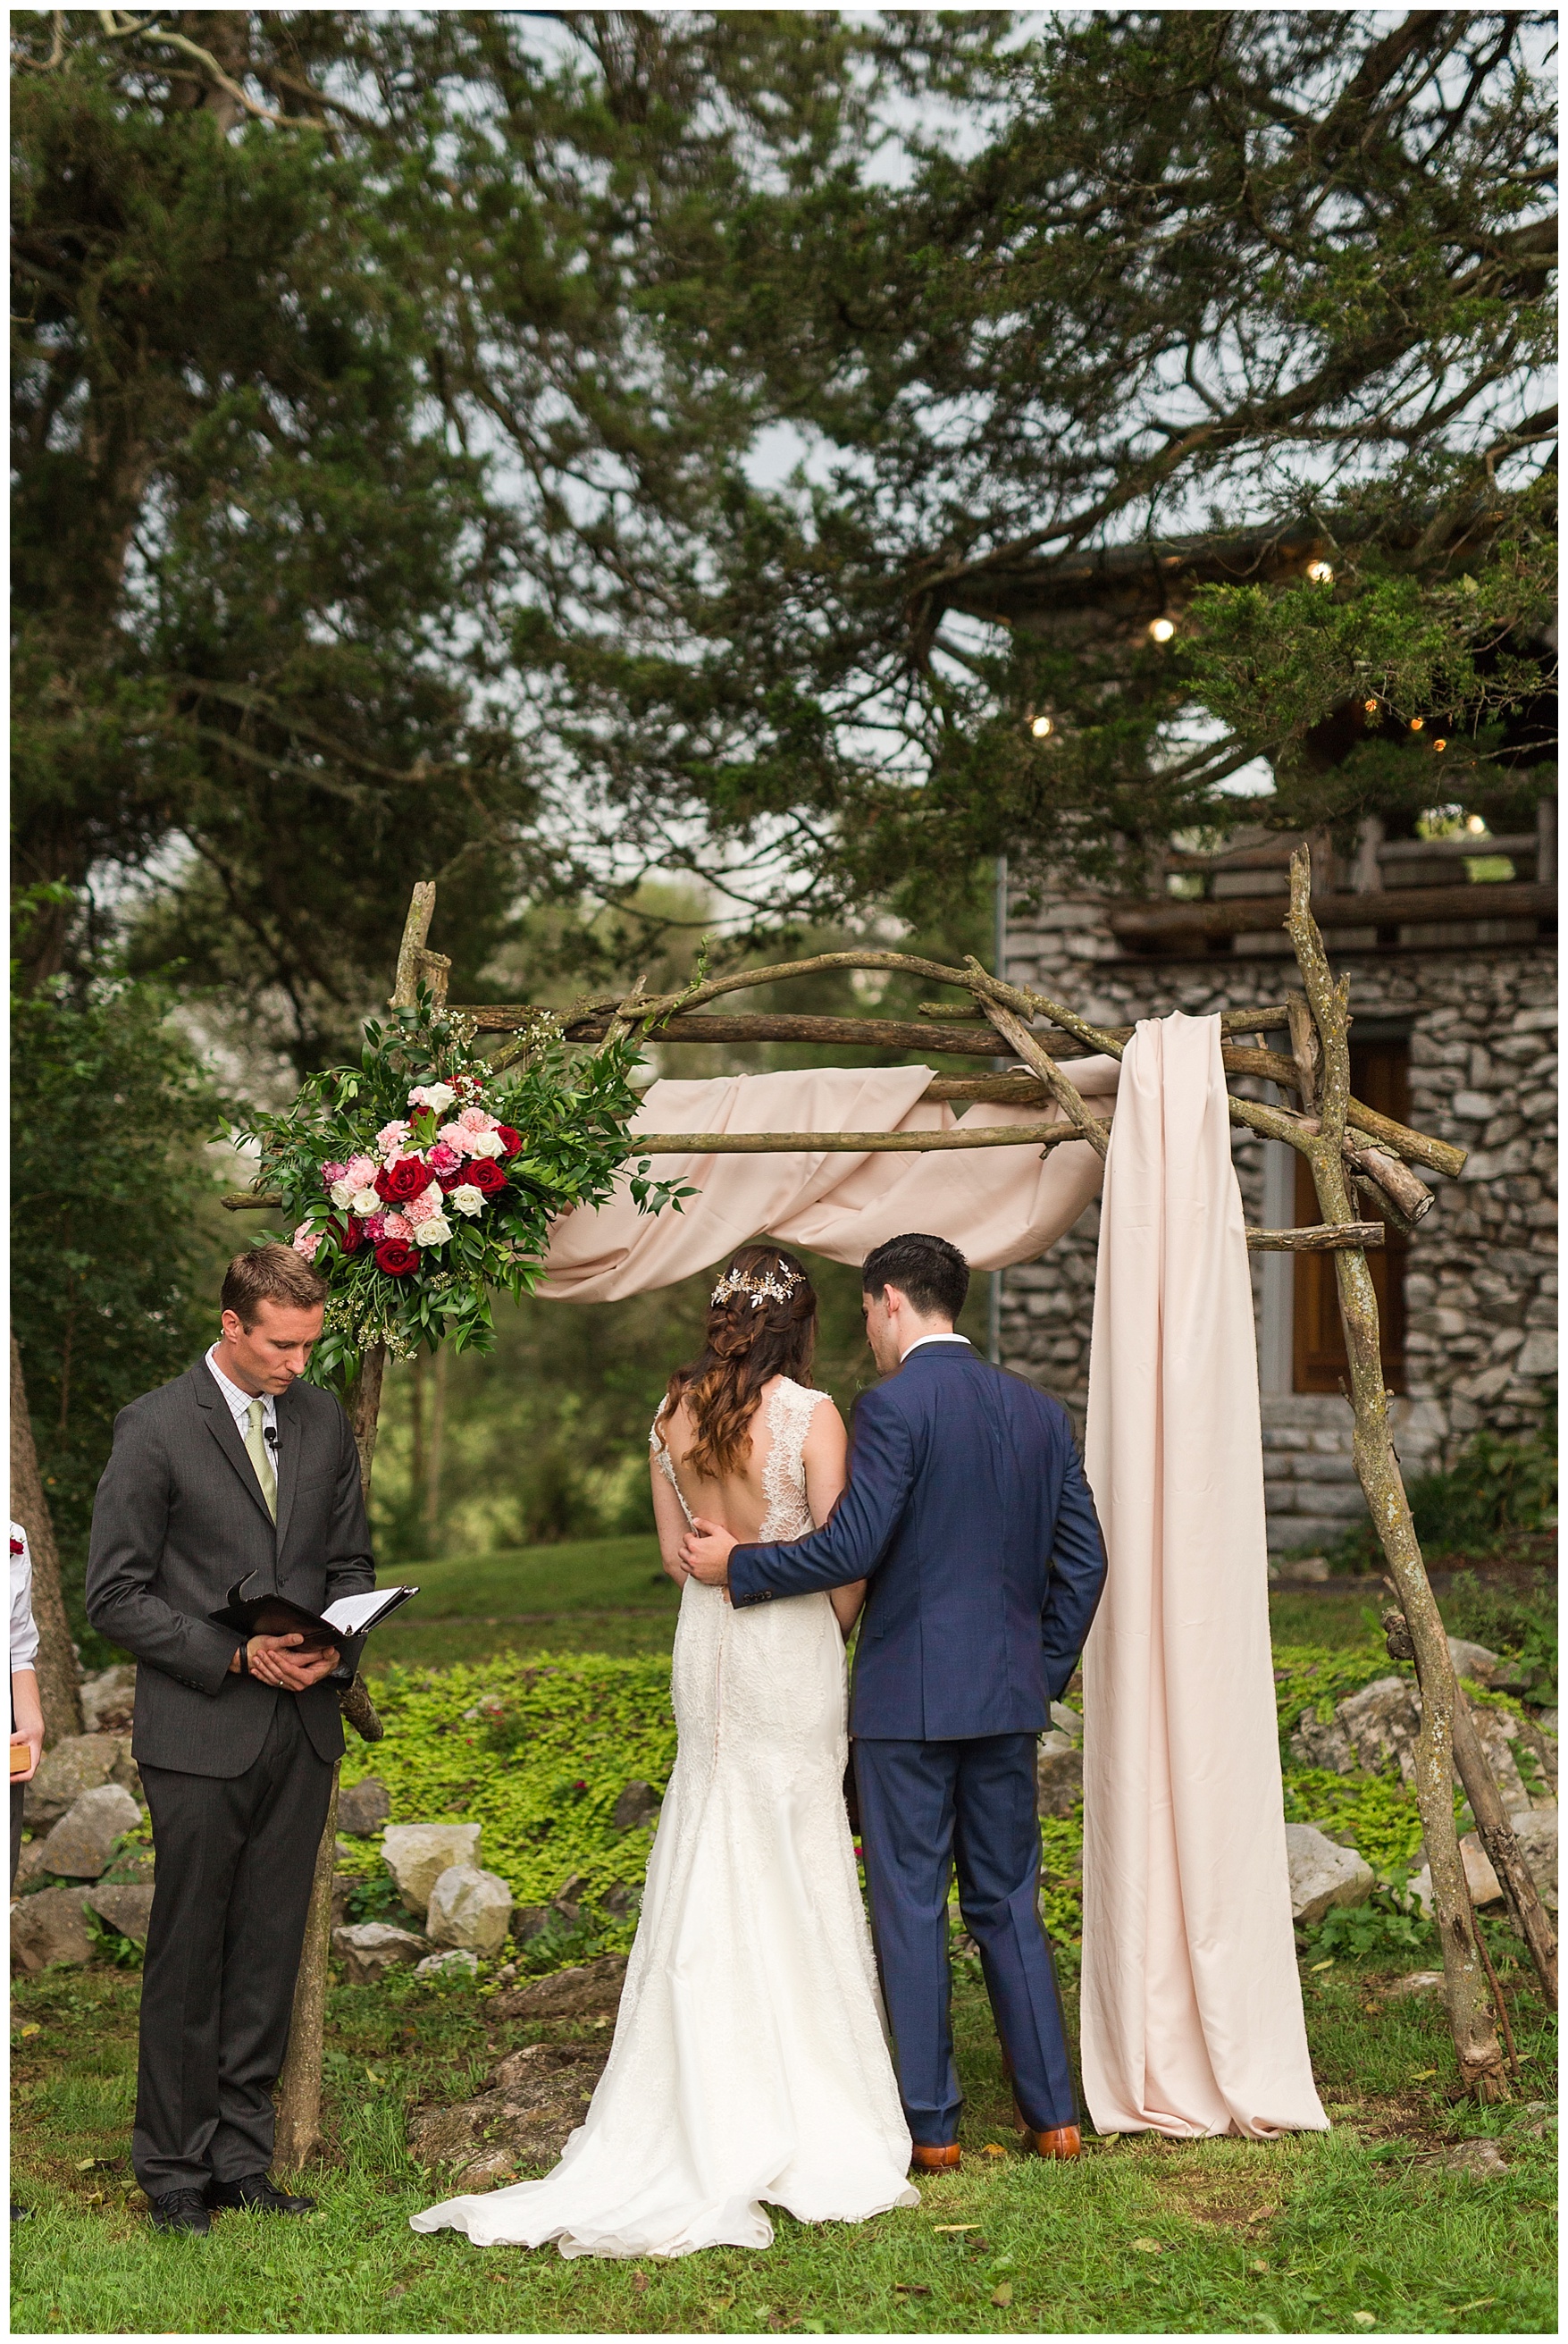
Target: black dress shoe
(256,2195)
(182,2209)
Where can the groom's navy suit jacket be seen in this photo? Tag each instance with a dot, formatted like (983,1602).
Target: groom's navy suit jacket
(968,1511)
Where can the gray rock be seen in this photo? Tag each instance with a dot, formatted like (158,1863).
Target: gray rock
(532,1921)
(623,1901)
(126,1908)
(459,1963)
(1547,1720)
(417,1854)
(637,1808)
(527,2117)
(1067,1720)
(1536,1831)
(1059,1774)
(1415,1982)
(83,1762)
(1382,1723)
(369,1949)
(109,1700)
(1485,1886)
(364,1807)
(568,1899)
(1497,1729)
(49,1927)
(83,1842)
(1322,1874)
(1322,1743)
(469,1907)
(1482,2159)
(587,1990)
(1472,1660)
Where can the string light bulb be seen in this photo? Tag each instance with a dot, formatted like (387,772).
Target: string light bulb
(1162,629)
(1371,707)
(1440,746)
(1320,573)
(1418,723)
(1042,727)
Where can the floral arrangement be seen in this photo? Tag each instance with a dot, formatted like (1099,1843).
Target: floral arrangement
(426,1176)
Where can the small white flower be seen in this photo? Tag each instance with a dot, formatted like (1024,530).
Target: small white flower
(435,1231)
(484,1143)
(363,1201)
(468,1198)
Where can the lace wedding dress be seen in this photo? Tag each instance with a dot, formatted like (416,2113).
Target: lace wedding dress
(749,2061)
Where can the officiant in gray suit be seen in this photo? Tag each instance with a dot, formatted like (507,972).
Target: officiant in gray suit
(238,1467)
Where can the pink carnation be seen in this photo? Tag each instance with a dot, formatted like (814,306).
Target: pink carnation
(443,1159)
(389,1139)
(423,1208)
(331,1172)
(474,1118)
(361,1170)
(306,1240)
(394,1225)
(374,1226)
(453,1136)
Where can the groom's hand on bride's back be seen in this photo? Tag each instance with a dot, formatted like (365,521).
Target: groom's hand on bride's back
(705,1553)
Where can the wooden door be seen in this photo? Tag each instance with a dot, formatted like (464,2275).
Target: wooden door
(1379,1078)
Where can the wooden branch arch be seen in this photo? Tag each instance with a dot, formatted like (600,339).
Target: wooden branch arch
(1348,1145)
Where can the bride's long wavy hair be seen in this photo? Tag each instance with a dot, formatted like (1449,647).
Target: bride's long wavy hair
(748,1339)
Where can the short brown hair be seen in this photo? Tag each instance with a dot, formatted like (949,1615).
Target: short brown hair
(270,1273)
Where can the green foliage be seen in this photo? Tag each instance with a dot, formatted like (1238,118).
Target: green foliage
(1377,1814)
(562,1143)
(1496,1492)
(111,1242)
(535,1754)
(1062,1901)
(1389,1924)
(1518,1623)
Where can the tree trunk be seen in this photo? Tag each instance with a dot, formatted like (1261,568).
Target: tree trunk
(56,1665)
(430,1513)
(299,2086)
(1470,2011)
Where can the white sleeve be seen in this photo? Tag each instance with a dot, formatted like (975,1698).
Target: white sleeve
(23,1634)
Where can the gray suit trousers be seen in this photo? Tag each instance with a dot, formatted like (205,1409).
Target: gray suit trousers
(236,1855)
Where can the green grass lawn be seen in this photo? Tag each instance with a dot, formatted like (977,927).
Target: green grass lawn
(1368,2228)
(1364,2230)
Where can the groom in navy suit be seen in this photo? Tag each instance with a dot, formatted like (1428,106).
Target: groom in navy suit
(967,1513)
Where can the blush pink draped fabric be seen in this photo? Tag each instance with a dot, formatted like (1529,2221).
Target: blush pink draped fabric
(1192,2001)
(1000,1204)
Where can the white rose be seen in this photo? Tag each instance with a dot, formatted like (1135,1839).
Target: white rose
(363,1201)
(468,1198)
(440,1096)
(435,1231)
(484,1143)
(341,1193)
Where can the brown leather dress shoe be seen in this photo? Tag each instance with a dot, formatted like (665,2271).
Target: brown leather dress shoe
(934,2160)
(1062,2141)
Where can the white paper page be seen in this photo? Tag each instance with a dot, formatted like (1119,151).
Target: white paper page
(353,1613)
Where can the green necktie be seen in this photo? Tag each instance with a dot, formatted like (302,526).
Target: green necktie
(255,1450)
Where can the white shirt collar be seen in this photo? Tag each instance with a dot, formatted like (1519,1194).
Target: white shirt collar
(239,1401)
(934,1338)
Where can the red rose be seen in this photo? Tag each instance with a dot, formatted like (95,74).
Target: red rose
(511,1141)
(453,1177)
(399,1183)
(351,1236)
(486,1175)
(396,1256)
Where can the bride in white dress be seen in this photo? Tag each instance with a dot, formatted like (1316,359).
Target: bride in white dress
(750,2065)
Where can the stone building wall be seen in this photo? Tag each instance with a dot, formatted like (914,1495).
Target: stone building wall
(1480,1284)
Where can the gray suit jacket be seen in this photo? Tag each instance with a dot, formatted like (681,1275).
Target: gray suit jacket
(179,1516)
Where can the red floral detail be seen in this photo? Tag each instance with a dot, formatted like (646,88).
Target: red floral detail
(351,1236)
(396,1256)
(486,1175)
(511,1141)
(400,1183)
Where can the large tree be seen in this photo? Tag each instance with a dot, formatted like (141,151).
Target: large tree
(1194,415)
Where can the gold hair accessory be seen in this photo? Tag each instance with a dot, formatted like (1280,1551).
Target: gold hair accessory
(774,1286)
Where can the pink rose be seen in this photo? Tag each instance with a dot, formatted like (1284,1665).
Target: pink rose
(306,1240)
(361,1170)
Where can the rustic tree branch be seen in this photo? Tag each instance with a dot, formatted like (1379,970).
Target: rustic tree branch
(1480,2054)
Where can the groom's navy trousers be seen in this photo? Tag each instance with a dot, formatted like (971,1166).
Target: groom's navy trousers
(967,1514)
